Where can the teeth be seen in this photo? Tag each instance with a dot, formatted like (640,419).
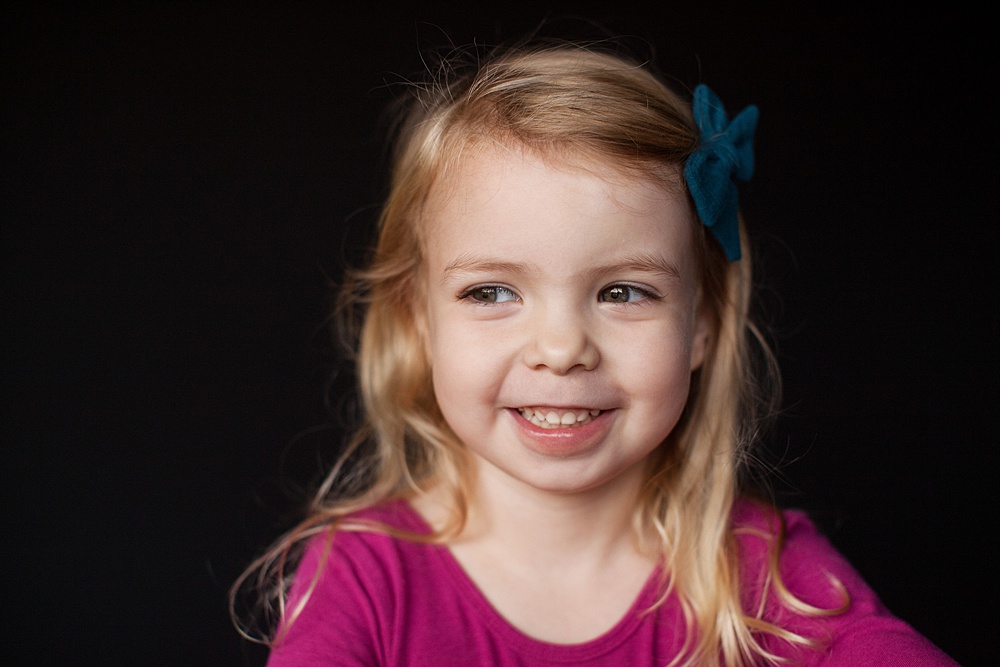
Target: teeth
(549,418)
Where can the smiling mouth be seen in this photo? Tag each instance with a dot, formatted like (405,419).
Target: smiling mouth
(556,418)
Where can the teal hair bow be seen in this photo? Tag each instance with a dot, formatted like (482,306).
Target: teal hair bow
(724,154)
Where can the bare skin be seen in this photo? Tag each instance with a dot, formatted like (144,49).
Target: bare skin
(560,313)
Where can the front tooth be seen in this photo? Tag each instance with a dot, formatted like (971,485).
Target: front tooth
(553,418)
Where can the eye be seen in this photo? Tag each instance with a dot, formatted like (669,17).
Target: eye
(624,293)
(489,294)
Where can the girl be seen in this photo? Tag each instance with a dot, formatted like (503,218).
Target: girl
(558,377)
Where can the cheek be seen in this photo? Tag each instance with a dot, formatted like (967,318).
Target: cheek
(463,392)
(661,373)
(664,383)
(664,395)
(461,367)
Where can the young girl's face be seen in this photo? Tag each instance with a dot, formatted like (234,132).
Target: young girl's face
(561,316)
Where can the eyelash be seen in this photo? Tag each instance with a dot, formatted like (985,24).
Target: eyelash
(643,292)
(495,290)
(469,294)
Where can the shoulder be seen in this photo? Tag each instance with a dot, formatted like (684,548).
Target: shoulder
(808,563)
(365,546)
(370,548)
(830,601)
(351,582)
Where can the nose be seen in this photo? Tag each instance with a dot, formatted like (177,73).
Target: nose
(560,342)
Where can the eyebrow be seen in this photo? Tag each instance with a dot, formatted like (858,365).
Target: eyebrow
(636,263)
(467,262)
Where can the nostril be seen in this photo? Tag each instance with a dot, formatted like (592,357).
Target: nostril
(562,351)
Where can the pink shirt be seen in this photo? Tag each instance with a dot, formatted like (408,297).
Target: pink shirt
(386,601)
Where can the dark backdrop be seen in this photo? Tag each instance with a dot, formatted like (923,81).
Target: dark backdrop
(181,183)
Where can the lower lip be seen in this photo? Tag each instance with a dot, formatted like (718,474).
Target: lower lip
(563,441)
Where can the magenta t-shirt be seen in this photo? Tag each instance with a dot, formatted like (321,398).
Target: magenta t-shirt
(382,600)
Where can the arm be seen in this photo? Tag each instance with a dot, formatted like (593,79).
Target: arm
(866,633)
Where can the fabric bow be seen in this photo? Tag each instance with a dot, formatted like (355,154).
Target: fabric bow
(725,153)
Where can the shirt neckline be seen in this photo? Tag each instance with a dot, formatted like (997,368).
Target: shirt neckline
(618,633)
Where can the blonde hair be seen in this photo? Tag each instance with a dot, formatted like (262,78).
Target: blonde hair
(578,101)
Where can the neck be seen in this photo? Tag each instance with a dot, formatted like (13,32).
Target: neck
(544,527)
(560,567)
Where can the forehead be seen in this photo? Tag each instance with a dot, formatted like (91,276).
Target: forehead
(478,160)
(494,196)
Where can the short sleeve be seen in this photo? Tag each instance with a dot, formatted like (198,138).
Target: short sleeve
(338,620)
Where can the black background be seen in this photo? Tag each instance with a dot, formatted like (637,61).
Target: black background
(181,182)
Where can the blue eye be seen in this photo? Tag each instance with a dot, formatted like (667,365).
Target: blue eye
(622,293)
(490,294)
